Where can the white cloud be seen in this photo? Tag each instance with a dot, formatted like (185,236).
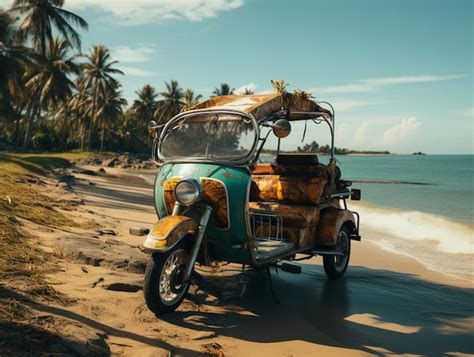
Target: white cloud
(135,71)
(348,105)
(361,134)
(128,54)
(372,84)
(400,131)
(266,91)
(250,86)
(468,112)
(126,12)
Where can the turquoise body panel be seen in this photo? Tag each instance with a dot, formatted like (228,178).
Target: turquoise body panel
(228,243)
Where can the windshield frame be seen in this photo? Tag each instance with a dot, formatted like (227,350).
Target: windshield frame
(238,161)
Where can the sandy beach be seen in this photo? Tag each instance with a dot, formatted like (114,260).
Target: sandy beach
(386,305)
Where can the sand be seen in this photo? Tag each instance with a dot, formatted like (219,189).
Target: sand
(386,305)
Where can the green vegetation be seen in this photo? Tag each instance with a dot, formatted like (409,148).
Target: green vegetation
(326,150)
(54,98)
(224,89)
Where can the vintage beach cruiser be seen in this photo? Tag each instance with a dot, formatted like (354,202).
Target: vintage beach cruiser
(216,201)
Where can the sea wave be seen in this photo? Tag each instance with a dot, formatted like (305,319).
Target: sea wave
(447,235)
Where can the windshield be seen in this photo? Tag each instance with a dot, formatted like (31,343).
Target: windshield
(209,136)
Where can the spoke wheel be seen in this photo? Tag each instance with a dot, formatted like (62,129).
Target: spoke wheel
(165,286)
(172,283)
(336,266)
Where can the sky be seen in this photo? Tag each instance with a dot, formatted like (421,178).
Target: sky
(399,73)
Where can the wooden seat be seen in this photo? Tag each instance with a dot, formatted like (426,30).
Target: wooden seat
(293,216)
(298,190)
(292,188)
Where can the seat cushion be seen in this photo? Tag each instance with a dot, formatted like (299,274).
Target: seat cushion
(293,216)
(263,169)
(298,190)
(318,171)
(298,159)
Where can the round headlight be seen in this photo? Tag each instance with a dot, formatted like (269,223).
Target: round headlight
(188,192)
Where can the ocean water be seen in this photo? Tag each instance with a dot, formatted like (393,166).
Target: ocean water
(437,184)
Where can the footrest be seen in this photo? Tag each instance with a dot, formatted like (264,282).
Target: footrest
(267,248)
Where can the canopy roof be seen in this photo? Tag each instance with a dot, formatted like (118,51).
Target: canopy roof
(264,105)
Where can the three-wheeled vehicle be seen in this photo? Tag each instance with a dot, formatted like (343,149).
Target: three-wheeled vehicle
(216,200)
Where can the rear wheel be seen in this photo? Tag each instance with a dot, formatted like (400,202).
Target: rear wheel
(336,265)
(165,283)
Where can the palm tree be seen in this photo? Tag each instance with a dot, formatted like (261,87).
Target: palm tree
(98,77)
(14,57)
(172,103)
(109,109)
(223,90)
(41,17)
(77,105)
(248,91)
(48,84)
(189,99)
(145,105)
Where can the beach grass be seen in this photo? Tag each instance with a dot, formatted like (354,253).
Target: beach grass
(23,262)
(38,163)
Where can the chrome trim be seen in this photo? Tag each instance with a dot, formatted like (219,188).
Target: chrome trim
(154,195)
(164,199)
(247,208)
(197,242)
(226,197)
(340,195)
(197,191)
(244,161)
(327,252)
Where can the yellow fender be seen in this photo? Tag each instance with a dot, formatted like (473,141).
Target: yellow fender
(332,219)
(168,232)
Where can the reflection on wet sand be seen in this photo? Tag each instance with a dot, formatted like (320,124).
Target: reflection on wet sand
(374,311)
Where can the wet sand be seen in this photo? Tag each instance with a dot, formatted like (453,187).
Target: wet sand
(386,304)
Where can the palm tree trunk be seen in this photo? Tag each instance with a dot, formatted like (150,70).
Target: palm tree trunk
(83,134)
(16,134)
(89,134)
(102,134)
(93,117)
(33,111)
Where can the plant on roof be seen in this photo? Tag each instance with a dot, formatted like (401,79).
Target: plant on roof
(280,85)
(303,94)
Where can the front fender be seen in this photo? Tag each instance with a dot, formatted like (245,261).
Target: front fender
(331,221)
(168,232)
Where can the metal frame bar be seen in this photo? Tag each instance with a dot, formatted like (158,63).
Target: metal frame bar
(266,220)
(330,121)
(244,161)
(252,157)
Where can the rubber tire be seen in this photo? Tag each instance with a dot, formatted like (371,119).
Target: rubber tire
(152,281)
(329,261)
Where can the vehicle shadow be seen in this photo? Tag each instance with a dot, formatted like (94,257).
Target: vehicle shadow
(371,310)
(95,324)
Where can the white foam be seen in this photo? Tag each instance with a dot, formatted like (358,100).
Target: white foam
(447,235)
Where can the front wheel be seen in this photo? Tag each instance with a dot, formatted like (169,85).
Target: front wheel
(165,283)
(336,265)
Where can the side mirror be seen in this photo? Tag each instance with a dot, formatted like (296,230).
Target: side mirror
(355,194)
(281,128)
(153,128)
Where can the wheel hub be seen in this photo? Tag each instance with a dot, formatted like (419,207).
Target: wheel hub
(177,279)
